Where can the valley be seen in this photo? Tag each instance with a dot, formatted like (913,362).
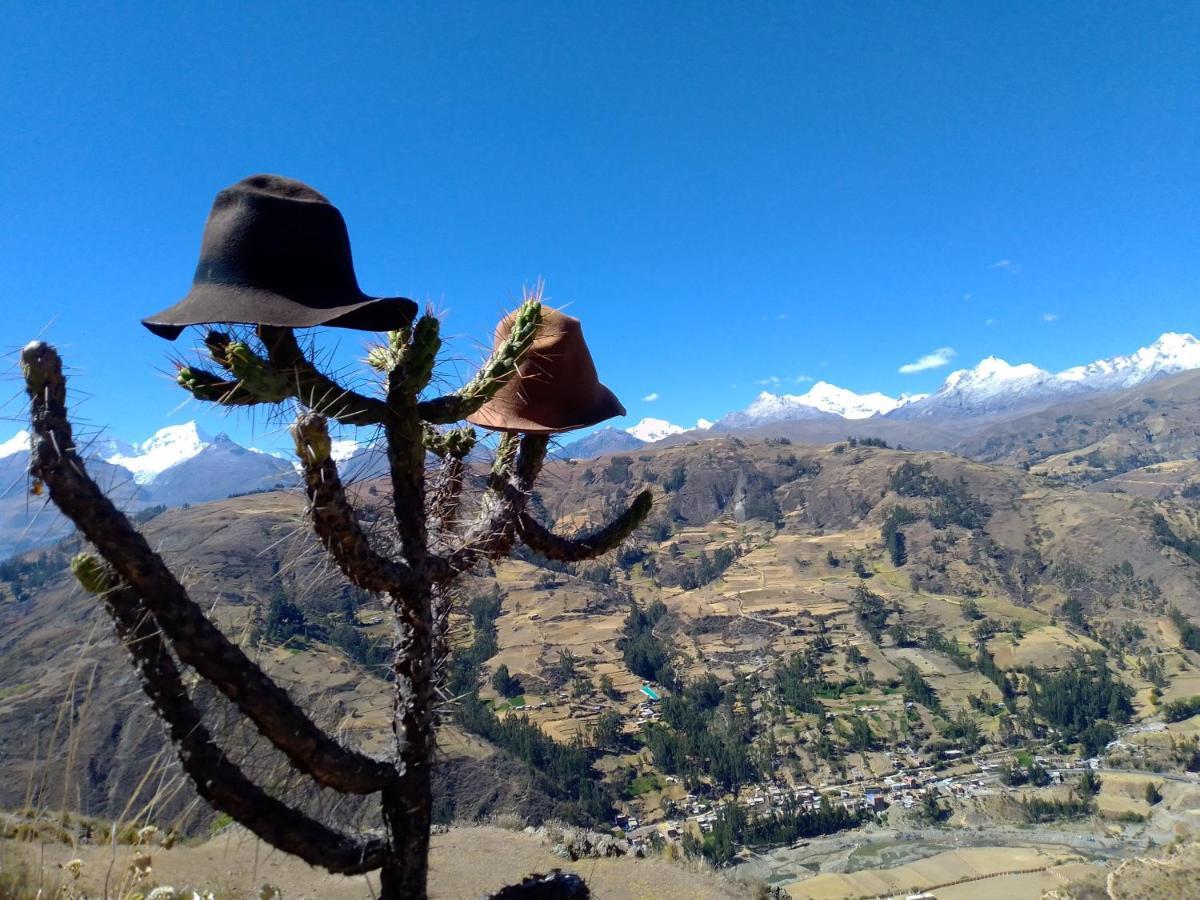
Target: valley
(825,665)
(813,660)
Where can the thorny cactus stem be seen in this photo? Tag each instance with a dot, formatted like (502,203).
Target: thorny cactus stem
(212,388)
(417,360)
(492,375)
(200,644)
(252,371)
(149,607)
(311,436)
(456,443)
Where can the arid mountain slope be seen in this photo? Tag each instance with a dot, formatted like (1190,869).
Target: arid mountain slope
(1151,423)
(749,545)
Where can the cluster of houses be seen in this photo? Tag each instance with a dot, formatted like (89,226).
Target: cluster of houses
(905,788)
(648,712)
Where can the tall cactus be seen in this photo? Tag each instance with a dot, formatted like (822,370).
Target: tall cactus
(153,613)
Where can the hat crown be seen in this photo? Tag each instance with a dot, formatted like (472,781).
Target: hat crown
(278,235)
(277,186)
(276,252)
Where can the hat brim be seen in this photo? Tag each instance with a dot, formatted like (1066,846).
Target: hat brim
(238,305)
(499,416)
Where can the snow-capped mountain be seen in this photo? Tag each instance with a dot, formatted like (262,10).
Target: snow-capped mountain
(18,443)
(167,447)
(181,464)
(650,430)
(176,465)
(990,387)
(343,449)
(220,468)
(606,440)
(823,400)
(995,386)
(1171,353)
(847,404)
(615,440)
(27,520)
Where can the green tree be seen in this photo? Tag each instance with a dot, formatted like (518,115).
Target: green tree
(284,620)
(606,732)
(504,683)
(1089,783)
(1153,794)
(608,689)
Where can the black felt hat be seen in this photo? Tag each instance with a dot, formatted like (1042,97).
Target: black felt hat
(276,252)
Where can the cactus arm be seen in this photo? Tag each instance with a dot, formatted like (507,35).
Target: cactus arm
(217,779)
(314,389)
(493,531)
(333,517)
(552,546)
(492,375)
(456,443)
(254,374)
(212,388)
(287,373)
(198,642)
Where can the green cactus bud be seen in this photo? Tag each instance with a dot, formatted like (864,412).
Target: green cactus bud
(399,339)
(209,387)
(92,573)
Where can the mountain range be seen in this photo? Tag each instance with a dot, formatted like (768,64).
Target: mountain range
(992,389)
(177,465)
(180,464)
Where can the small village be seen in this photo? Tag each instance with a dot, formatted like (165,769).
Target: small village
(913,782)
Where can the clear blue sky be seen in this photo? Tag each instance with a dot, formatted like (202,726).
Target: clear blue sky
(724,193)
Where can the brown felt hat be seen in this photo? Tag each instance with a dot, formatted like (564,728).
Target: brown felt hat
(276,252)
(556,388)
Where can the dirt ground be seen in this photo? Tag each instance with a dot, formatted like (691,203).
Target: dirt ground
(465,864)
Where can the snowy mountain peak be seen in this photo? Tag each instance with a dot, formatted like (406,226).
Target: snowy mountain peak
(847,404)
(187,435)
(995,367)
(651,430)
(165,448)
(343,449)
(18,443)
(1175,343)
(1170,353)
(821,398)
(995,386)
(991,371)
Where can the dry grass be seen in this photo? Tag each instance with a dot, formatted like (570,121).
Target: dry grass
(464,863)
(981,869)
